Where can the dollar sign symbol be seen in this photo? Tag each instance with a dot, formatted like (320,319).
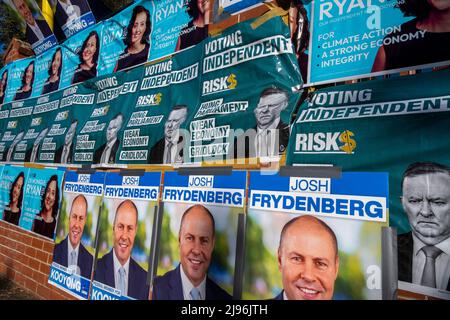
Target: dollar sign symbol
(349,143)
(158,98)
(232,81)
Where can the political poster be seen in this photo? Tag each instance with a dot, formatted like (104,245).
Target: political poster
(125,236)
(236,6)
(33,24)
(245,114)
(127,37)
(72,16)
(4,115)
(21,76)
(48,72)
(198,237)
(359,39)
(74,251)
(42,201)
(12,189)
(4,73)
(81,56)
(332,127)
(315,238)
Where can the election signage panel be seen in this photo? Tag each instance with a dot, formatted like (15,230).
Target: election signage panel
(32,23)
(126,37)
(356,39)
(12,189)
(72,15)
(293,221)
(21,77)
(42,201)
(74,251)
(236,6)
(81,56)
(233,98)
(4,115)
(48,72)
(4,74)
(125,236)
(198,237)
(332,128)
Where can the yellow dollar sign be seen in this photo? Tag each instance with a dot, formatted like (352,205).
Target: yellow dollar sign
(232,82)
(158,98)
(349,143)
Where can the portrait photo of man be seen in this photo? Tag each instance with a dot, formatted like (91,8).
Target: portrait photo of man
(308,259)
(12,147)
(189,280)
(33,154)
(71,252)
(106,154)
(69,10)
(64,153)
(167,150)
(424,252)
(117,268)
(36,29)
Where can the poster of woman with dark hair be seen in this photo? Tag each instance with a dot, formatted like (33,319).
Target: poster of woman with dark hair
(197,29)
(25,90)
(54,73)
(88,55)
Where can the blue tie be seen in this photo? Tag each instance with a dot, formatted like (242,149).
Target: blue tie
(195,294)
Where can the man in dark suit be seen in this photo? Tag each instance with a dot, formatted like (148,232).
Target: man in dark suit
(70,252)
(270,136)
(424,252)
(36,30)
(106,154)
(64,153)
(32,155)
(67,10)
(117,268)
(169,149)
(308,259)
(196,243)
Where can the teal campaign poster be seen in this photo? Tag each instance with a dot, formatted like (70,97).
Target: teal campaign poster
(73,256)
(42,201)
(381,125)
(357,38)
(12,189)
(81,56)
(245,114)
(4,115)
(315,238)
(72,16)
(4,73)
(48,72)
(126,38)
(21,77)
(125,236)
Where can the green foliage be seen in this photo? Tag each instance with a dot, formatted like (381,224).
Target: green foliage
(10,27)
(168,250)
(116,5)
(350,281)
(63,228)
(105,232)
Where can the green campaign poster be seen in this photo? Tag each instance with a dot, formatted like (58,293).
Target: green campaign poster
(382,125)
(4,115)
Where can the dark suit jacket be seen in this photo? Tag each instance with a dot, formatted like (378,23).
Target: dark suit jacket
(61,15)
(169,287)
(279,296)
(29,151)
(45,29)
(283,140)
(137,277)
(85,259)
(112,155)
(405,247)
(58,154)
(157,151)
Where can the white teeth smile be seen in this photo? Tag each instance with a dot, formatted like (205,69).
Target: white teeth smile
(195,261)
(309,291)
(123,245)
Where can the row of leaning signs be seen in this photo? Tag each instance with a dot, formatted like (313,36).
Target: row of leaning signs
(231,97)
(176,231)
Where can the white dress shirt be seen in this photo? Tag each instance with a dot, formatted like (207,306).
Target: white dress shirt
(172,151)
(72,11)
(34,153)
(65,153)
(37,31)
(188,286)
(107,151)
(266,140)
(69,255)
(117,266)
(442,262)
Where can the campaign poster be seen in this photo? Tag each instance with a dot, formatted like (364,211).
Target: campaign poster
(315,238)
(127,37)
(235,6)
(33,24)
(42,201)
(81,56)
(4,73)
(198,237)
(365,38)
(12,190)
(72,16)
(125,236)
(4,115)
(74,251)
(48,72)
(395,126)
(44,111)
(21,76)
(245,114)
(98,135)
(15,128)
